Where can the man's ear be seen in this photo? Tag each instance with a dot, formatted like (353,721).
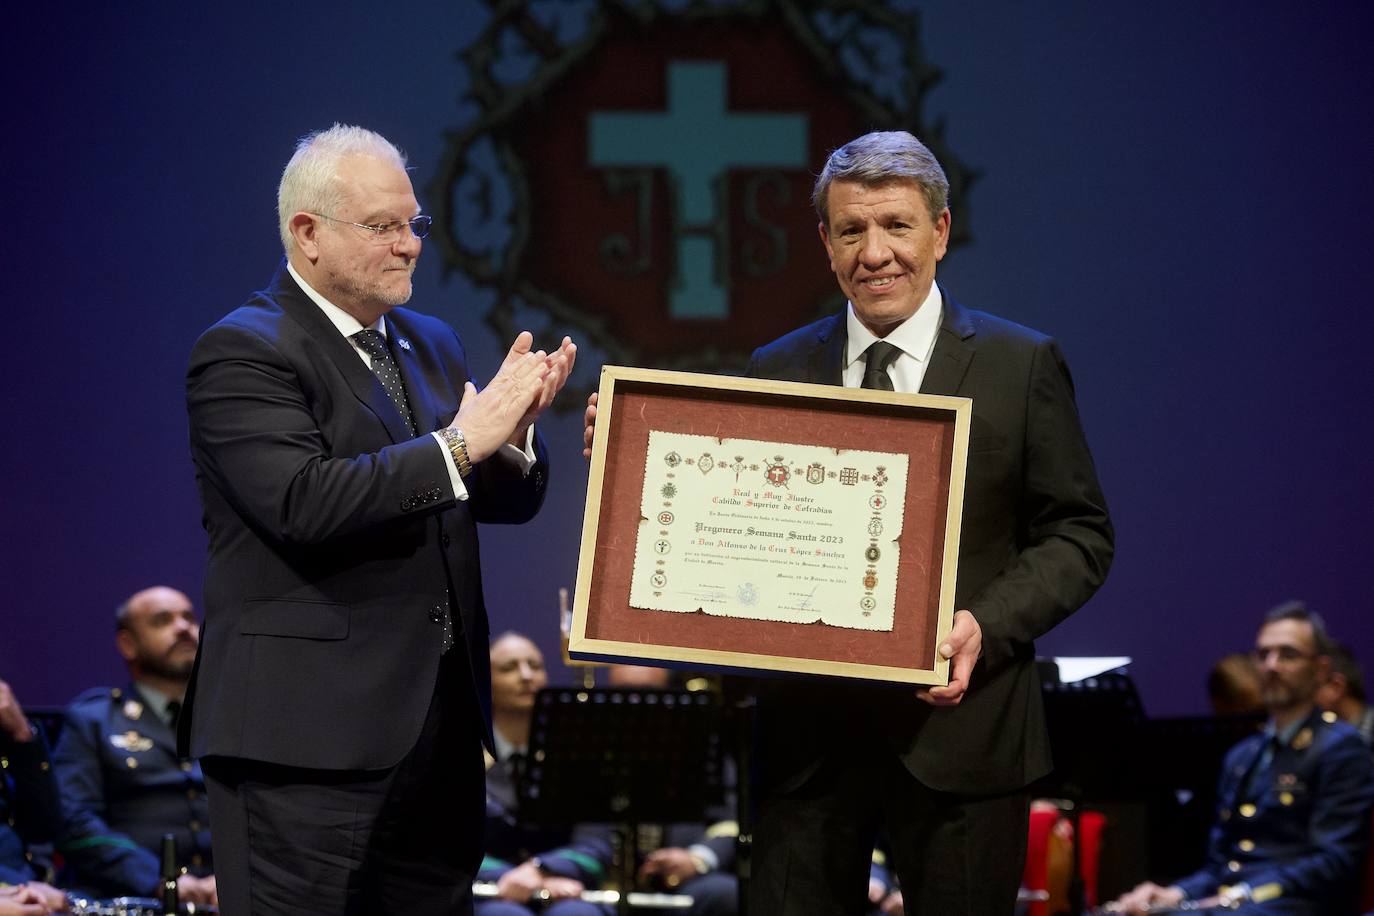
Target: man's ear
(825,240)
(124,642)
(942,233)
(304,230)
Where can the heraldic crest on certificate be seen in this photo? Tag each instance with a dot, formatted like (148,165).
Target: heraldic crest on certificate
(769,531)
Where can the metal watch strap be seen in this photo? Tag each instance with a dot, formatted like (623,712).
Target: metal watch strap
(458,448)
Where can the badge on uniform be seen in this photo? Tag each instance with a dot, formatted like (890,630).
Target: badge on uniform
(132,709)
(132,741)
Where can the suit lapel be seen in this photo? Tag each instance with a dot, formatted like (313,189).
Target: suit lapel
(950,359)
(825,362)
(364,385)
(423,407)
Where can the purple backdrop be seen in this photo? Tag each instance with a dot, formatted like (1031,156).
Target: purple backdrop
(1180,192)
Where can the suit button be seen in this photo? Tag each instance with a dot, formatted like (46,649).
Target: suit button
(1233,866)
(1246,845)
(445,539)
(436,615)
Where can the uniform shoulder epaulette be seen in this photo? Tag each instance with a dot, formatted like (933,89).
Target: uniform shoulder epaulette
(98,695)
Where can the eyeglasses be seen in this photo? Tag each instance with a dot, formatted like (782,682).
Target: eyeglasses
(1285,654)
(388,233)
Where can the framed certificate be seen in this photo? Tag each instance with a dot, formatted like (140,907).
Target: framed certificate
(770,526)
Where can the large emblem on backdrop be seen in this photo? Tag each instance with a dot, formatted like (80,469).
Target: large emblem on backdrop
(639,174)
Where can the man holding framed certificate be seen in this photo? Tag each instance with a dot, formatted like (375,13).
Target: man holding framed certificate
(943,770)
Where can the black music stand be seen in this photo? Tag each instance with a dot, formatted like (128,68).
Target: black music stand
(1092,723)
(622,756)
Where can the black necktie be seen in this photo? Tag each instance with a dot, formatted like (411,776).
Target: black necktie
(880,355)
(515,765)
(173,713)
(384,367)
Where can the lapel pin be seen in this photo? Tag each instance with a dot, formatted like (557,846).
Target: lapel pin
(403,343)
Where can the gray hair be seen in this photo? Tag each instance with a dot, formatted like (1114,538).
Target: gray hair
(882,157)
(1299,611)
(308,183)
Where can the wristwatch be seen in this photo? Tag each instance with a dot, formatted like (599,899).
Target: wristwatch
(458,448)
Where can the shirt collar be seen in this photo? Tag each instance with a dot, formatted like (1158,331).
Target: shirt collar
(346,323)
(915,337)
(1289,732)
(155,700)
(504,748)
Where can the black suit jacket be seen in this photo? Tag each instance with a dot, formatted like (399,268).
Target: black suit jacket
(1036,543)
(335,541)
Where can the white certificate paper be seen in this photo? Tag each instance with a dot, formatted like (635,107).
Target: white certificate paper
(769,531)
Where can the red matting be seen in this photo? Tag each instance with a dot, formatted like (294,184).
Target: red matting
(926,435)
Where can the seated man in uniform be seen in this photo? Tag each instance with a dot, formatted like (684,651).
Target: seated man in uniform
(1293,801)
(122,783)
(29,812)
(528,863)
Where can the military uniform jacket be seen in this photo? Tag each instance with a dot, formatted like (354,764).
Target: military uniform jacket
(29,809)
(1299,828)
(124,786)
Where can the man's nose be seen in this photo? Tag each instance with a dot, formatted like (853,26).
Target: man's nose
(408,245)
(876,251)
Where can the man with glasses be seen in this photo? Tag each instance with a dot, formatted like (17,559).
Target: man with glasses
(341,695)
(1293,801)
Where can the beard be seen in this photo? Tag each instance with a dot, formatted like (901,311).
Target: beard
(1280,694)
(173,665)
(372,289)
(1277,696)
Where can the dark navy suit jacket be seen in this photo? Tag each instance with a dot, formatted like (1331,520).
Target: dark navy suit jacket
(335,540)
(1036,543)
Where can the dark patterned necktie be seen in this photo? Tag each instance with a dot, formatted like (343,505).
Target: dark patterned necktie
(880,355)
(384,367)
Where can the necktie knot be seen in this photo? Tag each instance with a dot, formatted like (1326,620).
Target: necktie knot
(880,355)
(372,343)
